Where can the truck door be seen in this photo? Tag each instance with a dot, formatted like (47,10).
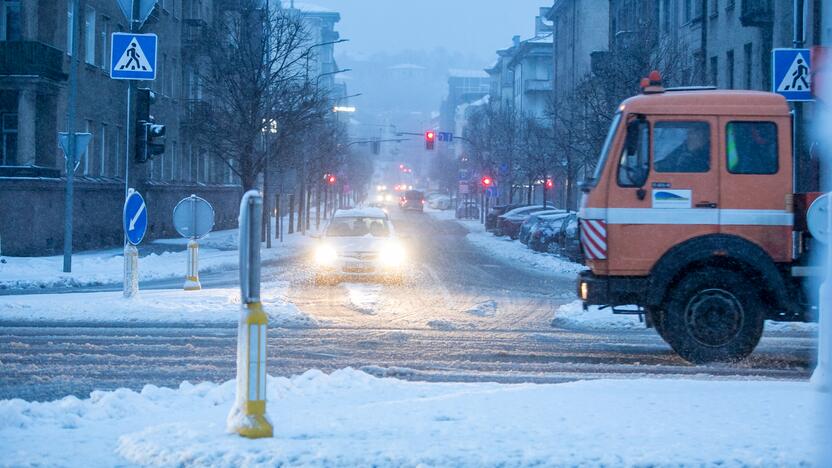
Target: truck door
(663,200)
(756,185)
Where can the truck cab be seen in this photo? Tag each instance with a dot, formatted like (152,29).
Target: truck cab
(690,216)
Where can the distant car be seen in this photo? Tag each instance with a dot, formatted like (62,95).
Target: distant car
(545,233)
(494,213)
(468,210)
(383,198)
(359,243)
(569,240)
(533,220)
(412,200)
(439,201)
(509,223)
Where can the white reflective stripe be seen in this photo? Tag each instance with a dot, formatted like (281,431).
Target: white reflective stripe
(601,243)
(727,217)
(262,361)
(591,250)
(253,346)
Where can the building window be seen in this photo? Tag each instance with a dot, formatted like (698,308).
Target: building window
(729,5)
(714,8)
(748,63)
(714,71)
(10,27)
(89,36)
(102,142)
(103,37)
(8,139)
(70,26)
(729,68)
(173,162)
(117,153)
(88,163)
(666,16)
(688,10)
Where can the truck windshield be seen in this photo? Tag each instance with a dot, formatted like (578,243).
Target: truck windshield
(602,158)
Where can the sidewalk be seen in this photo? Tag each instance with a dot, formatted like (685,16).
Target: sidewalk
(161,259)
(349,418)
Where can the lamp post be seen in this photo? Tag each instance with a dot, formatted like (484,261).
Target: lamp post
(309,49)
(318,79)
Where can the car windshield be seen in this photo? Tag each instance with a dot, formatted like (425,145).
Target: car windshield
(358,227)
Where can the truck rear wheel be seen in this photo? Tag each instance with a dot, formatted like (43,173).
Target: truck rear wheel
(712,315)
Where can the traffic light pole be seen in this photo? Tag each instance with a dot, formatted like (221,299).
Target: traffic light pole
(72,147)
(131,96)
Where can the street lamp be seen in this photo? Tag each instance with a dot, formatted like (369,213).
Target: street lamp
(318,79)
(309,49)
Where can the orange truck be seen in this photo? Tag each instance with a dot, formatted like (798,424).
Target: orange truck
(691,215)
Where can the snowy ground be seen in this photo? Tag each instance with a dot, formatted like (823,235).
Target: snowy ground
(572,315)
(218,252)
(511,250)
(349,418)
(214,306)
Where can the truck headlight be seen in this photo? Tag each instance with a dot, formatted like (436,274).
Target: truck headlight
(392,254)
(325,255)
(584,290)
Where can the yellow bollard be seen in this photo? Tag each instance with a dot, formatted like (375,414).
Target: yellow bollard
(248,416)
(192,276)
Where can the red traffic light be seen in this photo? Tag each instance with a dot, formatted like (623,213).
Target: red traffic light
(549,184)
(487,181)
(330,179)
(430,136)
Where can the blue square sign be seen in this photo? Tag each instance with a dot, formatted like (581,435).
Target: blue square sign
(792,74)
(133,56)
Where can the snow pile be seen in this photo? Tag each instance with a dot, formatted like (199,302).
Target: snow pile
(573,315)
(364,297)
(484,309)
(349,418)
(217,253)
(216,306)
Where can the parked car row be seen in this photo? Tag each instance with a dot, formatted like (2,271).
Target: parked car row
(541,228)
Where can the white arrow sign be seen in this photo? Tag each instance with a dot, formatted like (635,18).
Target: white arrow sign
(136,217)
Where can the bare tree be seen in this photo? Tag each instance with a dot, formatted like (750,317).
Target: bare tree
(255,65)
(581,118)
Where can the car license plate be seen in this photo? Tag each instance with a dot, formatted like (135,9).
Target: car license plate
(356,267)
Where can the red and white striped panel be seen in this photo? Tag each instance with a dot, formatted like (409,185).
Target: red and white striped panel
(594,238)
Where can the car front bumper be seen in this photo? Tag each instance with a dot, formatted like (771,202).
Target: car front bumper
(611,290)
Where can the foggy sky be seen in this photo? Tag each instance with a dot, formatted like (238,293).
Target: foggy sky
(473,27)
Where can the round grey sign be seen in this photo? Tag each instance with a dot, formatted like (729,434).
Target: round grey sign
(817,218)
(193,217)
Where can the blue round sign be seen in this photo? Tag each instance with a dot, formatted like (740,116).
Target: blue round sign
(135,217)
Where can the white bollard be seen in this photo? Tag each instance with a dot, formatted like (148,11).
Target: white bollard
(192,275)
(131,270)
(248,415)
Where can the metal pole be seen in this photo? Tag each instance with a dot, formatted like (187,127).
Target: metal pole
(248,415)
(131,95)
(801,164)
(70,124)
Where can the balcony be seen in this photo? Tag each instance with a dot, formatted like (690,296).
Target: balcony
(30,58)
(537,86)
(756,13)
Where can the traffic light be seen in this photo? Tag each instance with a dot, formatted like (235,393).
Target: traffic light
(430,139)
(550,184)
(330,179)
(150,137)
(376,145)
(487,181)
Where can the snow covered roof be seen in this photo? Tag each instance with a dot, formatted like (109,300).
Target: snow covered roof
(459,73)
(307,7)
(361,213)
(406,66)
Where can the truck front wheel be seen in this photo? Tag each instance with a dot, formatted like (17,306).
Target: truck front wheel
(712,315)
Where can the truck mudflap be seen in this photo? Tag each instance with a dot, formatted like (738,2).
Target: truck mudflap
(612,290)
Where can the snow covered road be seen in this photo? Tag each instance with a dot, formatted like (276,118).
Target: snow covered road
(464,315)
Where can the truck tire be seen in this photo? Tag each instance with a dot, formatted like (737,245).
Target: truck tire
(713,315)
(657,319)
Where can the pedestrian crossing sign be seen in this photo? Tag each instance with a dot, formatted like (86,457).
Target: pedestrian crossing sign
(792,74)
(133,56)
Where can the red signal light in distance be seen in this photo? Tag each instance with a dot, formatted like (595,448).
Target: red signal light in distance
(331,179)
(487,181)
(549,184)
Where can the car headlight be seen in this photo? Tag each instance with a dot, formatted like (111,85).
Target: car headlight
(392,254)
(388,198)
(325,255)
(380,198)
